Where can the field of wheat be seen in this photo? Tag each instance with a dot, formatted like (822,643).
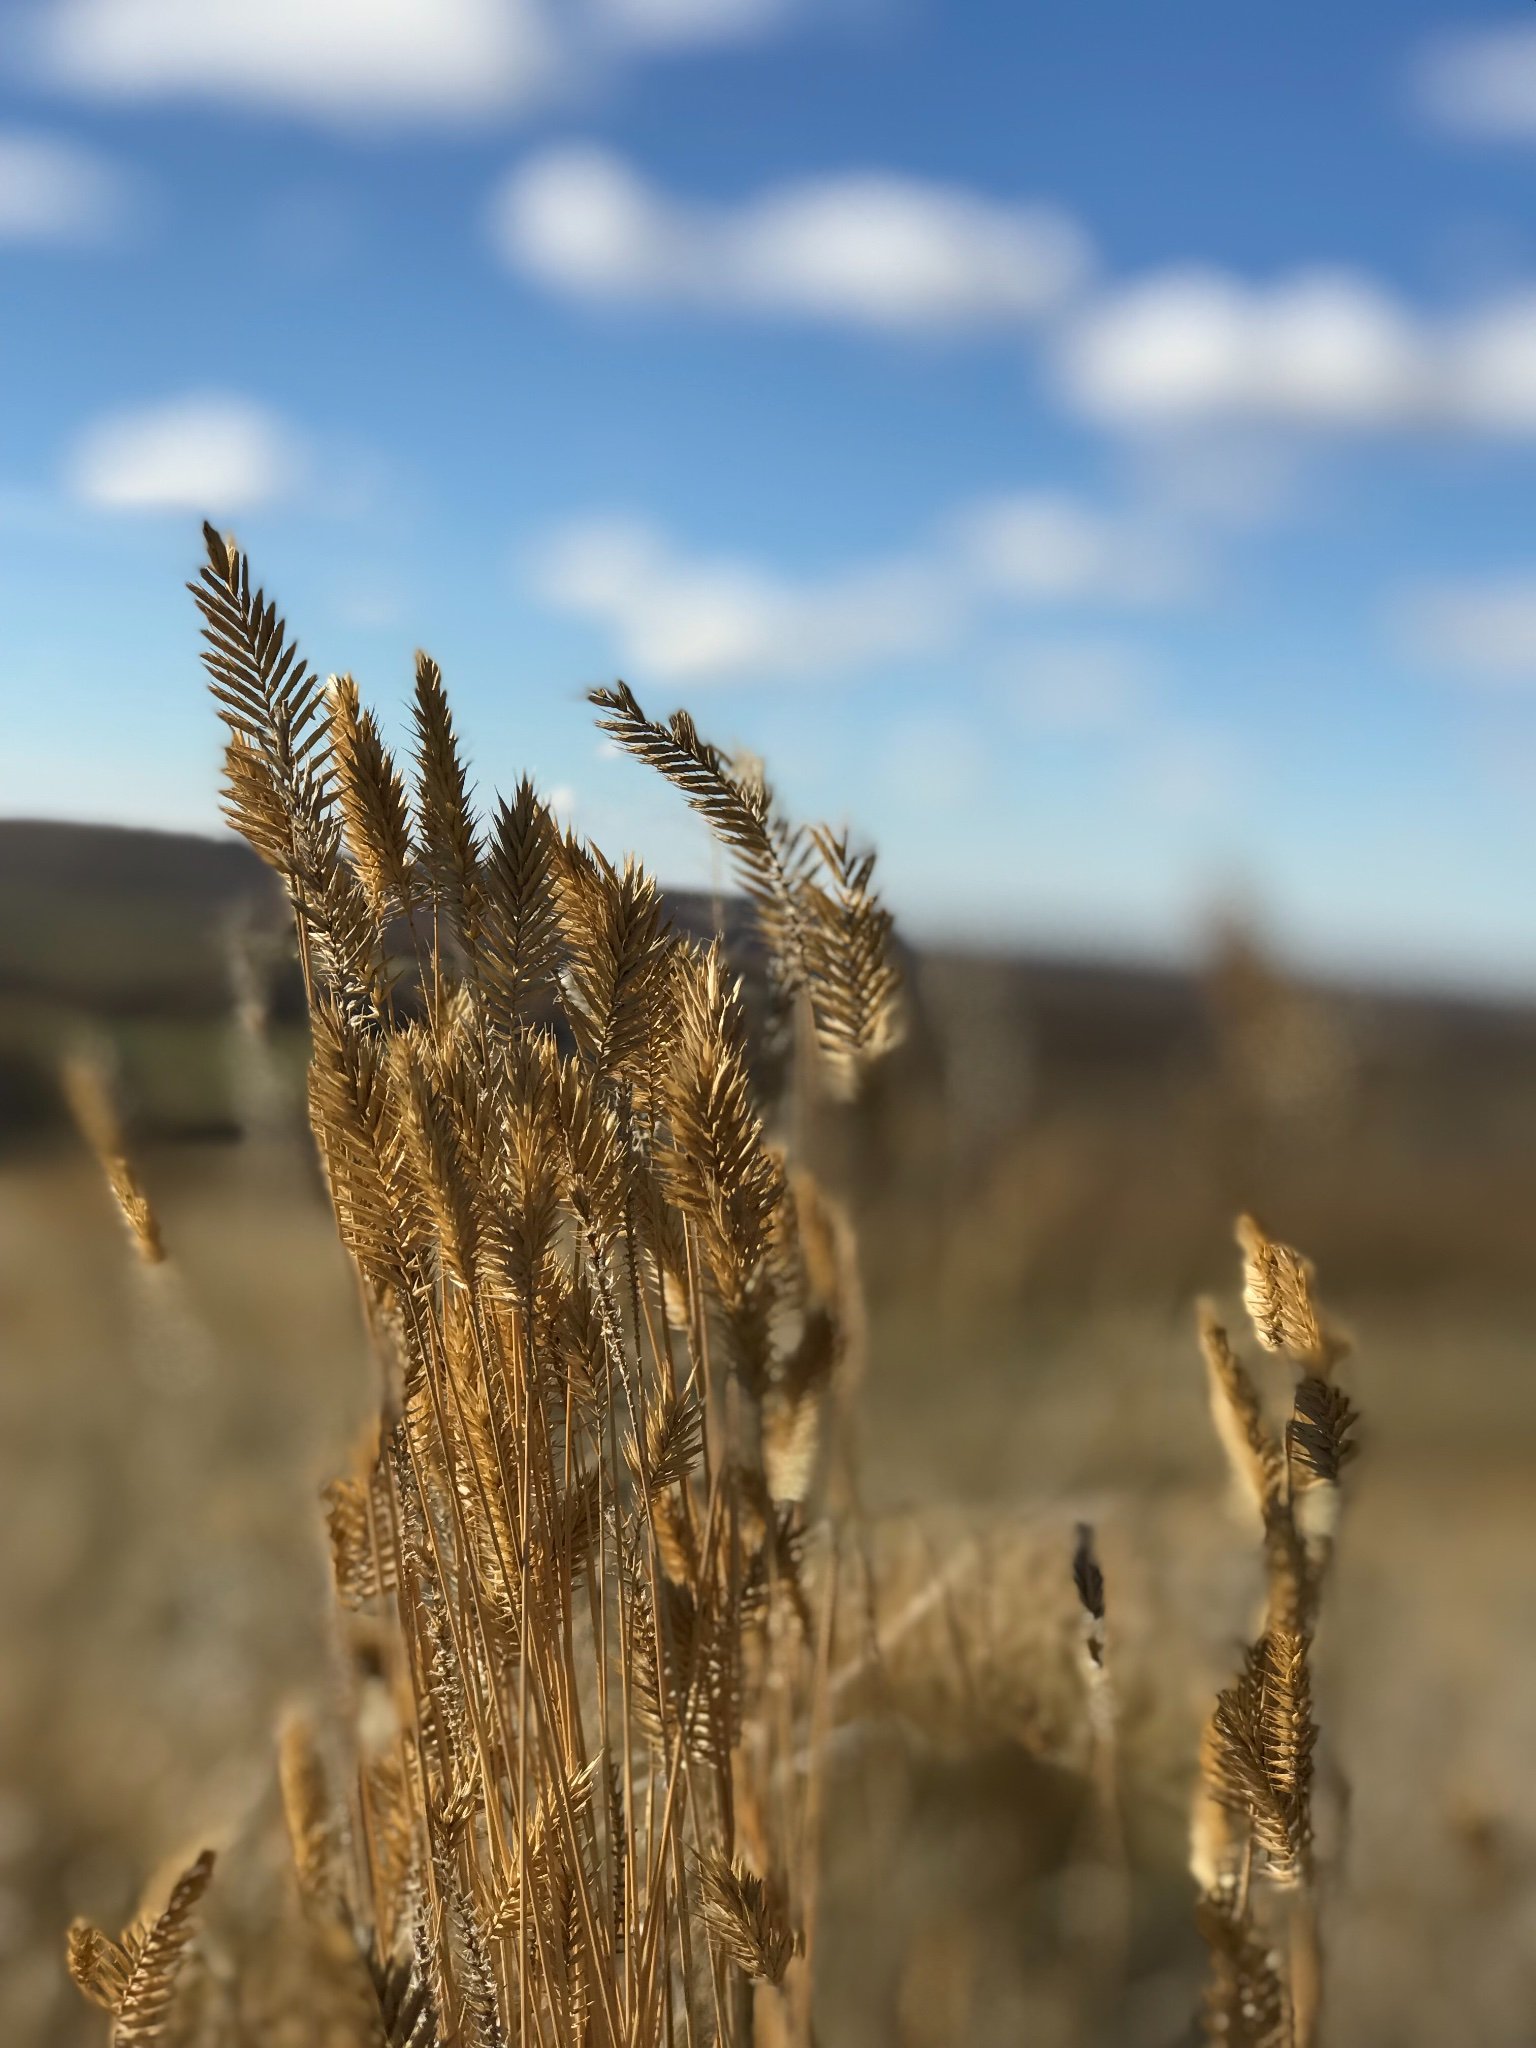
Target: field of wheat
(641,1526)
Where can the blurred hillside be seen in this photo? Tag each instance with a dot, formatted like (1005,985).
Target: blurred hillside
(1055,1136)
(1051,1128)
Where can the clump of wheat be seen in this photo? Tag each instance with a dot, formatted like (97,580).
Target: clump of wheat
(572,1804)
(1252,1847)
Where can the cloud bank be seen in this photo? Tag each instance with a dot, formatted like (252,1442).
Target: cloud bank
(870,250)
(680,617)
(1325,350)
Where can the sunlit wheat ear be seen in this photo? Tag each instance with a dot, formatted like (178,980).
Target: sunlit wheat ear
(746,1916)
(1319,1443)
(827,935)
(767,855)
(446,826)
(134,1978)
(88,1092)
(856,990)
(1277,1293)
(373,802)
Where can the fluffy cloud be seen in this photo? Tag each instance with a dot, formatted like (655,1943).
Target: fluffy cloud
(209,454)
(1481,83)
(370,61)
(1324,350)
(53,191)
(1485,631)
(867,250)
(684,618)
(336,59)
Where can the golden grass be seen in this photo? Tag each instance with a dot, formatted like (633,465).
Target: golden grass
(595,1628)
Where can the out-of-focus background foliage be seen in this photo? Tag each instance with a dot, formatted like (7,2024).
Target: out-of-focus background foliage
(1092,451)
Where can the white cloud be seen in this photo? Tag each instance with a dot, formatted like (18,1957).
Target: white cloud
(206,453)
(1485,631)
(1326,350)
(864,249)
(688,24)
(1481,83)
(697,619)
(370,61)
(336,59)
(54,191)
(685,618)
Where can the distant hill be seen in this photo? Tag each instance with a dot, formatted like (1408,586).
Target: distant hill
(118,921)
(130,931)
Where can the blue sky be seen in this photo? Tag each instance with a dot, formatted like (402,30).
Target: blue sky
(1092,450)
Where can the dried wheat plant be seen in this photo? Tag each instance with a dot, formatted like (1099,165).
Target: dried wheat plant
(86,1081)
(578,1799)
(1251,1846)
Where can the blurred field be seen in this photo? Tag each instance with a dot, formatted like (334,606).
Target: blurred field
(1043,1185)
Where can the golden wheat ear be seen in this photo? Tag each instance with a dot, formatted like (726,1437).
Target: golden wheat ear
(746,1916)
(855,985)
(135,1978)
(450,839)
(737,809)
(374,809)
(1277,1293)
